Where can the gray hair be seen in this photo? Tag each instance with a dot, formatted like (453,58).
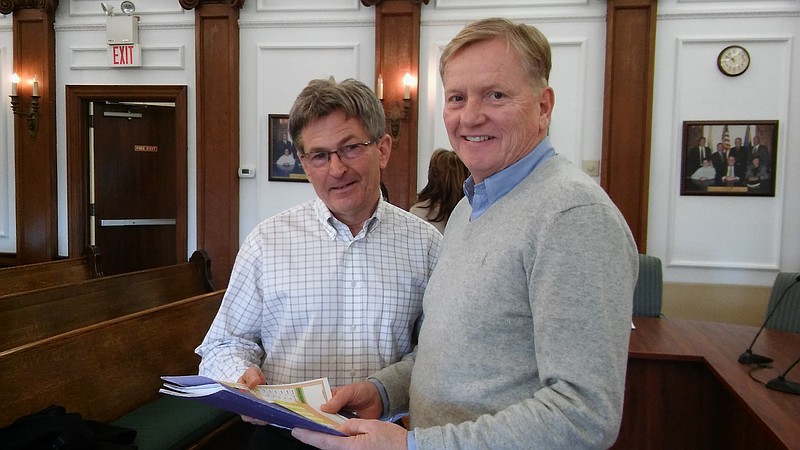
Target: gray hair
(323,97)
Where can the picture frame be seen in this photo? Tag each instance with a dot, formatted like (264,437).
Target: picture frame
(284,162)
(734,157)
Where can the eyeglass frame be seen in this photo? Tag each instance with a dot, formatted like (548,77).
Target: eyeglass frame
(345,149)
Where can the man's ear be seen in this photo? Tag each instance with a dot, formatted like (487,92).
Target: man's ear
(385,148)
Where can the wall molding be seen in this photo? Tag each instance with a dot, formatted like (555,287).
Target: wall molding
(311,23)
(96,58)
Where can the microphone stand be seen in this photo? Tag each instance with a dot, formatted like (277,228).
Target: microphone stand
(748,357)
(780,383)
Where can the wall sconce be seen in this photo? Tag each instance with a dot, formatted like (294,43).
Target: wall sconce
(398,111)
(32,115)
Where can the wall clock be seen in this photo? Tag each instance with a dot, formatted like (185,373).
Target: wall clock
(733,60)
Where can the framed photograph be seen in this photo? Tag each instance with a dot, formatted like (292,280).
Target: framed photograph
(284,162)
(729,158)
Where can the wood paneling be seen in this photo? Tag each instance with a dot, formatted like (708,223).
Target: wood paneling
(35,156)
(397,52)
(217,95)
(630,53)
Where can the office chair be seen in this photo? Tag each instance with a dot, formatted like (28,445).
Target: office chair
(787,316)
(649,292)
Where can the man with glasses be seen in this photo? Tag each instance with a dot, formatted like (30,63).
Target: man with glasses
(331,287)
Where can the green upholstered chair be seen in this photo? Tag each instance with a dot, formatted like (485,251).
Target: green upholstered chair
(648,294)
(787,316)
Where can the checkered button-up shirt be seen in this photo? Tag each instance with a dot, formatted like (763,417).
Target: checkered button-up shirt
(306,299)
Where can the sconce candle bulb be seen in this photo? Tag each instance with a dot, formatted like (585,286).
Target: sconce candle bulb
(408,80)
(35,87)
(14,83)
(379,87)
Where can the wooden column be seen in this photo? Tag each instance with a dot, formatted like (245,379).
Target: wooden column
(627,117)
(397,24)
(35,142)
(217,96)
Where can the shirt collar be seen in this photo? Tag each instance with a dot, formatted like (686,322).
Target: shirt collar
(483,195)
(334,227)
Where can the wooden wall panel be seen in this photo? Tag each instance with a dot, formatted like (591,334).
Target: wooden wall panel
(397,52)
(630,52)
(217,56)
(35,156)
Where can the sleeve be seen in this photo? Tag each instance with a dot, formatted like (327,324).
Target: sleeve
(232,344)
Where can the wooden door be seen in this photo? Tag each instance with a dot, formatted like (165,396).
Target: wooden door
(133,162)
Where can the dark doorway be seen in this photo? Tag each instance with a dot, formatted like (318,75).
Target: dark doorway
(126,174)
(133,167)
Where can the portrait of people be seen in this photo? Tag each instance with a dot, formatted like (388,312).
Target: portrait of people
(729,158)
(284,160)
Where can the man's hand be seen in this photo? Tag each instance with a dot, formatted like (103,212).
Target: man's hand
(361,398)
(363,435)
(252,377)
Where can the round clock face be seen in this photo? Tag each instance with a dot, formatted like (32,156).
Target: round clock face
(733,60)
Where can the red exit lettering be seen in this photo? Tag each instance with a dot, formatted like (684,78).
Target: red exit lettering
(122,55)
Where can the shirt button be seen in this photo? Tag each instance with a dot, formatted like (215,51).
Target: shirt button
(353,327)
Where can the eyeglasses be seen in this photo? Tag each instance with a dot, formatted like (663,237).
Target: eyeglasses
(349,152)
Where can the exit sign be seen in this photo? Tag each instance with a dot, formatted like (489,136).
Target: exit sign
(125,55)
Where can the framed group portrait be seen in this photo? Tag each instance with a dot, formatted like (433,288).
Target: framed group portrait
(284,162)
(737,158)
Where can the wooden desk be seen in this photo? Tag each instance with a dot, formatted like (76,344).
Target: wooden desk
(685,388)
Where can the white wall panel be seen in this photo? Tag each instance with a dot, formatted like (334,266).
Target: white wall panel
(7,210)
(78,8)
(308,5)
(278,59)
(723,239)
(483,4)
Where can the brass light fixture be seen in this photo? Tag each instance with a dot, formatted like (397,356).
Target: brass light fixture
(397,111)
(32,114)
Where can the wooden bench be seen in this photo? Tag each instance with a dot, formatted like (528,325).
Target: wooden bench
(35,315)
(110,371)
(52,273)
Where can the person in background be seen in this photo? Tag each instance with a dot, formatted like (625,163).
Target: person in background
(705,172)
(733,172)
(446,176)
(720,161)
(524,342)
(331,287)
(696,155)
(756,173)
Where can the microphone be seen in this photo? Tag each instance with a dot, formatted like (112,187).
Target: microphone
(780,383)
(748,357)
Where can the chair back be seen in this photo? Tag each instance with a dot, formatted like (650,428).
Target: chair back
(648,294)
(787,316)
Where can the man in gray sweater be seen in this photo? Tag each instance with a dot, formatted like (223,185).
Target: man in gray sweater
(527,314)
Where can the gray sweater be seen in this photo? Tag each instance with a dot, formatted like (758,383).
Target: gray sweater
(527,319)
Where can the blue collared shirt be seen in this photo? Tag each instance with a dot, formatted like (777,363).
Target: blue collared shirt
(485,194)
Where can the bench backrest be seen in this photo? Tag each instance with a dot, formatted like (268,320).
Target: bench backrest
(28,277)
(106,369)
(38,314)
